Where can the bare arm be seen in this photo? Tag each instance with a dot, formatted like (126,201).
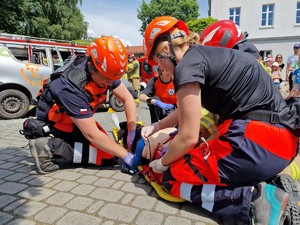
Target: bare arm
(89,129)
(129,105)
(189,115)
(143,98)
(170,121)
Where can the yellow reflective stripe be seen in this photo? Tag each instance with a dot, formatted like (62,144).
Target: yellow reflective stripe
(294,173)
(204,112)
(202,122)
(297,170)
(266,68)
(209,124)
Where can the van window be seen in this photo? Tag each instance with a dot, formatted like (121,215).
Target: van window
(39,56)
(19,52)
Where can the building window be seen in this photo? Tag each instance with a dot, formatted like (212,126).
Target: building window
(264,53)
(298,13)
(234,15)
(267,15)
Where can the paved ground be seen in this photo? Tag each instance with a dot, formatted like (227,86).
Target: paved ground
(79,195)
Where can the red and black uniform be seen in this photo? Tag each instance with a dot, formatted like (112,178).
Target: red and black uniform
(70,92)
(250,147)
(164,92)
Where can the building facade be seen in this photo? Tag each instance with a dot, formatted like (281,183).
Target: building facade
(273,25)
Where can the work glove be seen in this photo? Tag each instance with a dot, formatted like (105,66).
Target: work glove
(163,105)
(157,167)
(148,130)
(130,138)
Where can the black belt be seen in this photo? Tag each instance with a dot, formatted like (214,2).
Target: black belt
(260,115)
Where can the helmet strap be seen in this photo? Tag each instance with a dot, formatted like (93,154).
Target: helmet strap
(172,57)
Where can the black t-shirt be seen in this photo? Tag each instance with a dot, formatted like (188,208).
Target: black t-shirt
(75,102)
(232,82)
(149,90)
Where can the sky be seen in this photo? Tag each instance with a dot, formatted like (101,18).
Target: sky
(119,18)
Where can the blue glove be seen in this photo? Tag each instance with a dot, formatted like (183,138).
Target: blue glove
(173,133)
(131,161)
(165,150)
(128,159)
(163,105)
(130,138)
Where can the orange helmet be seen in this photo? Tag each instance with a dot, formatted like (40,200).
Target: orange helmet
(158,26)
(223,33)
(109,56)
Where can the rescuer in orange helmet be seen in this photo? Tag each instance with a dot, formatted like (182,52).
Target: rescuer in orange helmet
(65,130)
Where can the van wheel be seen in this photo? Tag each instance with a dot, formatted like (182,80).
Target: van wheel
(116,104)
(13,104)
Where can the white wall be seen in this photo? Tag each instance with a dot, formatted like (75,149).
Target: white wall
(279,38)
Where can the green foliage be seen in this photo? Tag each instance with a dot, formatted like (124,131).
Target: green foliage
(84,42)
(11,14)
(198,25)
(185,10)
(57,19)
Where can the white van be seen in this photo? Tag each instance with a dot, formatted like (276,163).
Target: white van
(24,63)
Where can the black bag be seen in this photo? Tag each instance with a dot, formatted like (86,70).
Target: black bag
(34,128)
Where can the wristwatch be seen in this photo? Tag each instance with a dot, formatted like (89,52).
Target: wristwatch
(149,101)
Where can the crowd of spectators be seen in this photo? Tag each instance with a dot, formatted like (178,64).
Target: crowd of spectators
(290,77)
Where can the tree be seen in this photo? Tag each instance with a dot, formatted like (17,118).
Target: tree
(11,14)
(185,10)
(58,19)
(198,25)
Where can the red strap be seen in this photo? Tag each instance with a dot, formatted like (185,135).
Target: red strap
(152,176)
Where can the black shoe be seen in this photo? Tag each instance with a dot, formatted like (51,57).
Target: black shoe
(42,155)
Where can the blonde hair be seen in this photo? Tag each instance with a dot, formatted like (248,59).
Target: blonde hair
(191,39)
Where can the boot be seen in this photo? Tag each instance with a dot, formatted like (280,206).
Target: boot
(269,207)
(289,185)
(42,155)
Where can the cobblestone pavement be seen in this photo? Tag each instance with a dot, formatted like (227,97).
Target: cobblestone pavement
(81,195)
(89,195)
